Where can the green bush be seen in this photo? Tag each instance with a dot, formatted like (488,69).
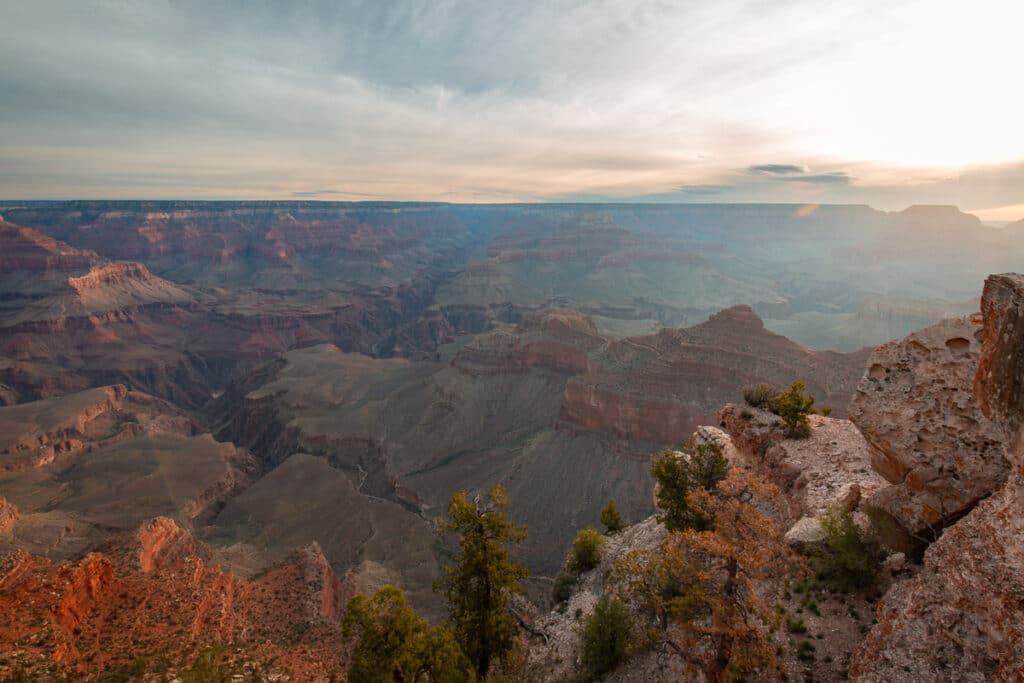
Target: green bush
(793,406)
(700,466)
(849,557)
(606,635)
(562,590)
(611,518)
(586,549)
(758,395)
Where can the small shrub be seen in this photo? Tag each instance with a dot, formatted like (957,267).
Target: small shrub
(606,635)
(586,549)
(758,395)
(793,406)
(796,626)
(562,590)
(210,666)
(805,651)
(611,518)
(850,557)
(700,466)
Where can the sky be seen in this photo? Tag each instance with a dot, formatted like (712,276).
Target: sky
(888,103)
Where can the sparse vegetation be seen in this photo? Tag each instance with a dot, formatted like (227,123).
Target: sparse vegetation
(805,651)
(586,549)
(850,556)
(209,666)
(700,467)
(606,635)
(562,589)
(759,395)
(611,519)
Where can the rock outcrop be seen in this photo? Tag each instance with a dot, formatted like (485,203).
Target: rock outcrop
(155,593)
(831,466)
(960,618)
(8,515)
(929,438)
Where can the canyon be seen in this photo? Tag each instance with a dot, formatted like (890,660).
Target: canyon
(220,420)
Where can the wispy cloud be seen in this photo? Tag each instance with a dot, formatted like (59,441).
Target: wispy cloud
(776,169)
(833,178)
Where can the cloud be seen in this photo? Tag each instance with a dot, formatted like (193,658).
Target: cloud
(314,193)
(776,169)
(833,178)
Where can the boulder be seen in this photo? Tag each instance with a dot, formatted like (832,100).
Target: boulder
(807,532)
(916,408)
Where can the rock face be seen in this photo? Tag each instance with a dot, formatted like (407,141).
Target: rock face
(960,618)
(155,593)
(999,383)
(916,407)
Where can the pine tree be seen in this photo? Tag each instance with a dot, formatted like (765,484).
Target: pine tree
(478,583)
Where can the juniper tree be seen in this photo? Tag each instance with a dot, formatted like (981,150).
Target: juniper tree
(700,466)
